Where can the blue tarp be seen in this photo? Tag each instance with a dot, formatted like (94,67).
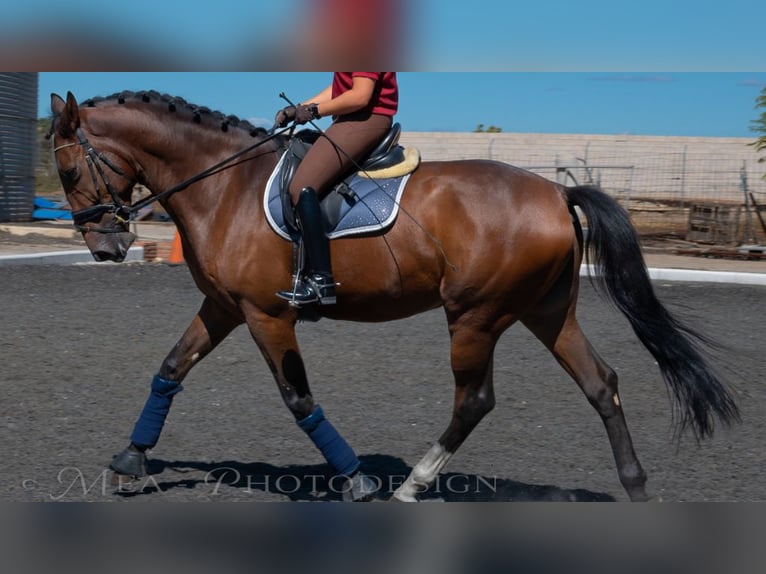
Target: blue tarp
(49,209)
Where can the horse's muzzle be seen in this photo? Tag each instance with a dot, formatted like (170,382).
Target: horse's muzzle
(110,246)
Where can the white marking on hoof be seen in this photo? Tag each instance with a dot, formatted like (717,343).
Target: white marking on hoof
(403,497)
(424,474)
(616,399)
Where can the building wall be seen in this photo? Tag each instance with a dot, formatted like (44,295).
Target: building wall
(18,144)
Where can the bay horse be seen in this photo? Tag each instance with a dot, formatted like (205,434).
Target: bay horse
(490,243)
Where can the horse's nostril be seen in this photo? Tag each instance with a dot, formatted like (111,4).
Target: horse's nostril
(107,256)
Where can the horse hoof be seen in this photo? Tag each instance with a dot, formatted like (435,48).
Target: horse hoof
(130,463)
(361,488)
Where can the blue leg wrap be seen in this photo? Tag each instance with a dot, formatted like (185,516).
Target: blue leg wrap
(149,425)
(327,439)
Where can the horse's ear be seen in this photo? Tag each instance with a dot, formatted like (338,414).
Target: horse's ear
(67,113)
(57,104)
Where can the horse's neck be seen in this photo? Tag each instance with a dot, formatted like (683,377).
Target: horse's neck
(230,192)
(173,154)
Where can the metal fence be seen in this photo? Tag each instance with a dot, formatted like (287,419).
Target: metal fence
(703,189)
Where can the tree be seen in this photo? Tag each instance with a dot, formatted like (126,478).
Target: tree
(47,181)
(490,130)
(759,126)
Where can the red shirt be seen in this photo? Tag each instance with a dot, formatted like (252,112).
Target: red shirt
(385,96)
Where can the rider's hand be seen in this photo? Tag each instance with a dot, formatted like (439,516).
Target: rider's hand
(284,116)
(305,114)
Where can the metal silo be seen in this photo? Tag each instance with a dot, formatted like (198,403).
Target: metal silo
(18,144)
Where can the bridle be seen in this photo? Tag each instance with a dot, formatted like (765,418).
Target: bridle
(122,212)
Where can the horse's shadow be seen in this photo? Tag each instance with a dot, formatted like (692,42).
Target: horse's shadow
(301,483)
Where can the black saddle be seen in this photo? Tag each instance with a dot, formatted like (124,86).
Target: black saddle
(386,154)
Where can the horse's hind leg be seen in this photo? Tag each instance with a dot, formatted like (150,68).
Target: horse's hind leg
(562,335)
(209,327)
(472,349)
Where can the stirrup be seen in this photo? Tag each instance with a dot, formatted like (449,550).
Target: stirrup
(324,287)
(311,289)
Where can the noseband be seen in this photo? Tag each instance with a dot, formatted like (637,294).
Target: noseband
(117,207)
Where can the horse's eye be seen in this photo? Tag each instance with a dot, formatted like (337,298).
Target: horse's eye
(70,174)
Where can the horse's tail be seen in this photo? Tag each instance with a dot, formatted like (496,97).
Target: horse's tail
(612,246)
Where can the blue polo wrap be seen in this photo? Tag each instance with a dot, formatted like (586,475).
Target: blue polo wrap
(327,439)
(149,425)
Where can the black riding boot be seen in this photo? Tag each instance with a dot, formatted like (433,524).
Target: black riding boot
(317,285)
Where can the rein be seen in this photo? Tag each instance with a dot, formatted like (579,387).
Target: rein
(124,213)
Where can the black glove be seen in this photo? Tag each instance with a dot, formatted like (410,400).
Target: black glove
(284,116)
(307,113)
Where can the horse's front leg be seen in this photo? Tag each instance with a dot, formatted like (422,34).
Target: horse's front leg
(276,339)
(209,327)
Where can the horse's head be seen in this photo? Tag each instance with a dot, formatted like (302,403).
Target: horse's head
(98,182)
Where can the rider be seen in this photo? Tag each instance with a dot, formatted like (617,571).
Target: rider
(362,105)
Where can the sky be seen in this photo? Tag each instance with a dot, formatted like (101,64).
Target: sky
(655,67)
(702,104)
(434,35)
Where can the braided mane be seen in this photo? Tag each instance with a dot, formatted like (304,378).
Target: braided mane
(175,104)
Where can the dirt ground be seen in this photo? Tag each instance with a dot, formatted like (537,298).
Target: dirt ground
(41,240)
(80,345)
